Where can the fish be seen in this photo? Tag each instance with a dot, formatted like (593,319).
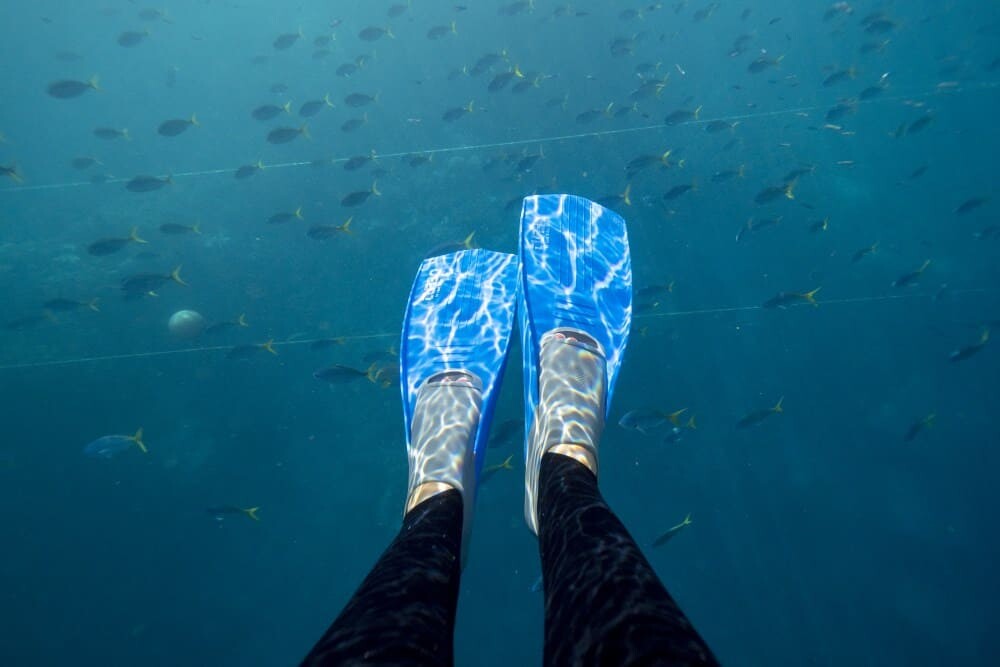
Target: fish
(62,305)
(505,432)
(322,232)
(678,190)
(347,69)
(756,225)
(341,374)
(248,170)
(590,115)
(773,192)
(641,162)
(654,290)
(174,127)
(970,205)
(352,124)
(681,116)
(251,350)
(269,111)
(11,172)
(176,229)
(439,31)
(326,343)
(283,135)
(757,416)
(839,76)
(107,446)
(148,183)
(988,232)
(612,201)
(672,532)
(131,38)
(908,278)
(397,10)
(356,100)
(650,88)
(103,247)
(144,283)
(452,246)
(356,162)
(220,512)
(785,299)
(967,351)
(68,88)
(112,133)
(716,126)
(919,124)
(375,33)
(918,426)
(279,88)
(864,252)
(763,62)
(417,159)
(313,107)
(286,40)
(491,470)
(359,197)
(819,225)
(644,420)
(515,8)
(486,62)
(841,109)
(225,325)
(453,114)
(283,217)
(728,174)
(82,163)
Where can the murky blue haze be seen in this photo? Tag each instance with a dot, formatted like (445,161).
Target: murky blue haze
(821,536)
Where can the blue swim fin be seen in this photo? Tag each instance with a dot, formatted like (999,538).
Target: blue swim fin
(459,317)
(576,272)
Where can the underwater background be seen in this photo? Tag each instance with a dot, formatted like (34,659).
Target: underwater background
(832,146)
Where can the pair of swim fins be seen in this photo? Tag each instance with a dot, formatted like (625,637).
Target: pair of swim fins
(572,270)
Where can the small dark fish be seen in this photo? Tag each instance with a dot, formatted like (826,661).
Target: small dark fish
(177,229)
(590,115)
(269,111)
(755,226)
(283,135)
(147,282)
(970,205)
(279,88)
(486,62)
(67,89)
(107,446)
(452,246)
(491,470)
(838,76)
(220,512)
(986,233)
(671,532)
(226,325)
(147,183)
(681,116)
(352,124)
(360,99)
(323,232)
(313,107)
(248,170)
(282,218)
(375,33)
(360,197)
(908,278)
(920,123)
(840,110)
(757,416)
(651,88)
(286,40)
(967,351)
(918,172)
(528,161)
(347,69)
(340,374)
(105,247)
(131,38)
(111,133)
(356,162)
(252,350)
(871,92)
(728,174)
(397,10)
(453,114)
(918,426)
(11,172)
(326,343)
(506,432)
(819,225)
(864,252)
(774,192)
(880,26)
(439,31)
(171,128)
(84,162)
(68,57)
(68,305)
(763,63)
(716,126)
(678,190)
(416,159)
(785,299)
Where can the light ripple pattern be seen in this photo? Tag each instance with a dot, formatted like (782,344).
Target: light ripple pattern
(459,318)
(576,273)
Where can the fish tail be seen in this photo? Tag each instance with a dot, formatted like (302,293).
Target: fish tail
(375,190)
(697,112)
(811,296)
(137,439)
(790,189)
(626,195)
(741,171)
(298,213)
(777,406)
(506,463)
(305,131)
(674,417)
(327,102)
(287,106)
(241,321)
(94,82)
(923,267)
(92,304)
(454,28)
(346,227)
(269,346)
(134,236)
(260,164)
(196,228)
(470,107)
(175,275)
(125,135)
(984,337)
(194,120)
(467,242)
(691,424)
(251,512)
(372,373)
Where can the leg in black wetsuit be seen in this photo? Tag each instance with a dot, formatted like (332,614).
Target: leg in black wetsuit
(404,611)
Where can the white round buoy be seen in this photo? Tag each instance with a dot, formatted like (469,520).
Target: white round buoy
(186,324)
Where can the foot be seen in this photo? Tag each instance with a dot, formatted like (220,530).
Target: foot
(569,419)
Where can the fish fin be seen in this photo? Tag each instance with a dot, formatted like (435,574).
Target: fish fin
(777,406)
(305,131)
(691,424)
(346,227)
(375,190)
(241,321)
(506,463)
(674,417)
(175,275)
(94,82)
(92,304)
(196,228)
(298,213)
(137,439)
(626,196)
(194,120)
(811,296)
(251,512)
(467,241)
(269,346)
(134,236)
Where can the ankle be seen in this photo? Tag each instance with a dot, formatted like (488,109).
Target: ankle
(425,491)
(580,454)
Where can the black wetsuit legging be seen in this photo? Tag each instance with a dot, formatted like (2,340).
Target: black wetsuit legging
(604,605)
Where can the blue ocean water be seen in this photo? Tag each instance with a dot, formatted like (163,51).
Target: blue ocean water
(820,536)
